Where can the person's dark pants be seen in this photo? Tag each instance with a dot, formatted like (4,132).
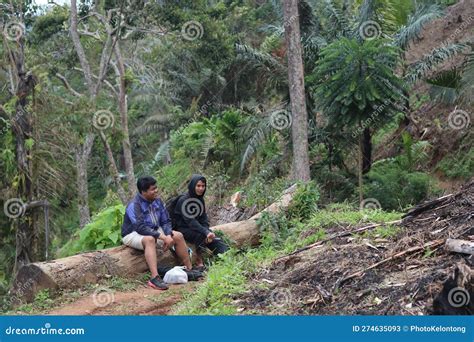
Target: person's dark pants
(217,246)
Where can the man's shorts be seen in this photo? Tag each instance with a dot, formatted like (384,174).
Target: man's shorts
(134,239)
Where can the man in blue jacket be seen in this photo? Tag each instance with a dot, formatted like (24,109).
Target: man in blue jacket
(146,220)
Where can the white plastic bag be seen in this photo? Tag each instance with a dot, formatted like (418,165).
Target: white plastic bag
(176,276)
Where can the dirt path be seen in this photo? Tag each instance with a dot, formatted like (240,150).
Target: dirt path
(142,301)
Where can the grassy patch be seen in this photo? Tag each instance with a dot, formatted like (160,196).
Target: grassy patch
(232,273)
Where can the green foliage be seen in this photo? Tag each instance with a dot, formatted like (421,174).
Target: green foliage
(227,277)
(49,24)
(261,192)
(346,214)
(305,201)
(395,187)
(208,140)
(458,165)
(42,301)
(103,232)
(415,152)
(171,178)
(352,78)
(274,229)
(384,232)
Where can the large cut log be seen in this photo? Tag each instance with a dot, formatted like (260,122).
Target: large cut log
(78,270)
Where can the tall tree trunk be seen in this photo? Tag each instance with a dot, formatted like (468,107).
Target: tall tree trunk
(361,165)
(82,154)
(299,129)
(123,109)
(22,127)
(366,151)
(113,169)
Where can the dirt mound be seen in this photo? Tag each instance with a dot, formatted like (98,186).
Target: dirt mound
(353,274)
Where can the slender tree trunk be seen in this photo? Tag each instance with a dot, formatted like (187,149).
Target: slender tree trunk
(82,154)
(22,127)
(366,151)
(361,165)
(123,109)
(297,92)
(113,169)
(78,46)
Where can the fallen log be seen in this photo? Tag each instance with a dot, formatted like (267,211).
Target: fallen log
(460,246)
(78,270)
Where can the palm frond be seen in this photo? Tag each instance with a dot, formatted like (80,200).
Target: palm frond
(338,23)
(163,152)
(427,63)
(256,140)
(445,86)
(153,123)
(258,130)
(411,31)
(207,145)
(467,81)
(261,59)
(270,67)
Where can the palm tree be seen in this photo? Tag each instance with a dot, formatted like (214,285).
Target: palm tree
(355,86)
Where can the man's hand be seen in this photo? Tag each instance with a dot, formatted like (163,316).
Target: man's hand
(210,237)
(167,240)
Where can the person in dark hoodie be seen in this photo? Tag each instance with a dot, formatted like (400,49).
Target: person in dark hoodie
(193,223)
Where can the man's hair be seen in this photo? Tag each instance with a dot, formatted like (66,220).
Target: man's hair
(144,183)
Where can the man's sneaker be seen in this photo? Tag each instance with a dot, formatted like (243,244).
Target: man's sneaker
(157,283)
(194,275)
(200,268)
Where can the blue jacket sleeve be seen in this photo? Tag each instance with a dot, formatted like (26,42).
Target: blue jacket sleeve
(165,220)
(137,218)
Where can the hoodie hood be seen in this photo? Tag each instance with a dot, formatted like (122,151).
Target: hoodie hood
(192,185)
